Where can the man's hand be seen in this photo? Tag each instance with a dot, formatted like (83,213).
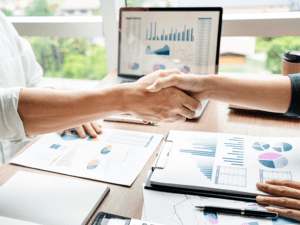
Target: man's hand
(166,105)
(196,86)
(91,129)
(287,195)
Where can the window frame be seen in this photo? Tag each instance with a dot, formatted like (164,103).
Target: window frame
(247,24)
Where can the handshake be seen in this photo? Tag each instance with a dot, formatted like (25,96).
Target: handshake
(164,96)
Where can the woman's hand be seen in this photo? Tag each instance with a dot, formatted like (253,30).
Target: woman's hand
(91,129)
(285,194)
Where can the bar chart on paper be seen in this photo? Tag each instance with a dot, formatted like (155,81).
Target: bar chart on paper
(203,152)
(234,155)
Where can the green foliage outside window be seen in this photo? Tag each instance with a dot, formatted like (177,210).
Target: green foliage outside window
(275,48)
(7,12)
(70,57)
(39,8)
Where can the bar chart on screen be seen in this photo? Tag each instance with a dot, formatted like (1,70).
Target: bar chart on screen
(169,34)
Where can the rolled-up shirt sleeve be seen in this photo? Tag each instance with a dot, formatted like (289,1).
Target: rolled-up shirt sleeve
(294,109)
(11,125)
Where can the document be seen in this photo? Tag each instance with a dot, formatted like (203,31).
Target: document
(178,209)
(227,163)
(115,156)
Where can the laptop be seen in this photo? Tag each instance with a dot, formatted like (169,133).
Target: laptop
(152,39)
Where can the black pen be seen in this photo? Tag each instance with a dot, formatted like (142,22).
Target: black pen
(241,212)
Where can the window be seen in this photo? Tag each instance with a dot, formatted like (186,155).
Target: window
(65,45)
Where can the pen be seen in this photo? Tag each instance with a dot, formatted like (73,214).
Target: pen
(126,120)
(241,212)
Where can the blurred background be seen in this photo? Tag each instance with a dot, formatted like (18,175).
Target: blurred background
(85,58)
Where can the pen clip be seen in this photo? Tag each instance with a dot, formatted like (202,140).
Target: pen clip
(163,155)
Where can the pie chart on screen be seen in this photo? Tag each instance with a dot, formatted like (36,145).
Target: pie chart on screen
(282,147)
(133,66)
(159,67)
(184,69)
(273,160)
(260,146)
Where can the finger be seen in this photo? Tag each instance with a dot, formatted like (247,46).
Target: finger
(189,102)
(170,81)
(61,132)
(201,96)
(287,213)
(287,183)
(279,190)
(97,127)
(283,202)
(90,130)
(80,131)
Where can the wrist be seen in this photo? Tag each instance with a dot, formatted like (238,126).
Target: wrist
(210,83)
(124,98)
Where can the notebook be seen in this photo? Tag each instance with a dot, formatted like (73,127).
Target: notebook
(46,199)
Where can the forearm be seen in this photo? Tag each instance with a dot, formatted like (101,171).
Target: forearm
(46,110)
(268,94)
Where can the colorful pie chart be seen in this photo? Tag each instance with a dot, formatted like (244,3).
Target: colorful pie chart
(211,217)
(92,139)
(133,66)
(184,69)
(93,164)
(260,146)
(159,67)
(106,150)
(282,147)
(70,135)
(273,160)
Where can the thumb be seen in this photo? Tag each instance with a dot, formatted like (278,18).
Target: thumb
(161,83)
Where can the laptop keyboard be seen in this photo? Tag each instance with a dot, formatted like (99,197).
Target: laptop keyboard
(127,81)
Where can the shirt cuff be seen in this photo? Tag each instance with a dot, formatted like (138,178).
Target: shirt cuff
(43,84)
(294,109)
(11,125)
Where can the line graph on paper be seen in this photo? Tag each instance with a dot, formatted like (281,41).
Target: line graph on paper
(181,205)
(119,161)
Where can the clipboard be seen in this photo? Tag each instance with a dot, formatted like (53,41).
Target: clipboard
(160,163)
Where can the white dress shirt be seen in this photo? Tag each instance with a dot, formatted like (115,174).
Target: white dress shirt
(18,69)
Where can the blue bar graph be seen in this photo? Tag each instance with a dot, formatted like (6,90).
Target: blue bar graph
(185,35)
(203,152)
(235,156)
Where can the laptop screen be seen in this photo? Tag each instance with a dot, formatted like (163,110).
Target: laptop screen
(156,39)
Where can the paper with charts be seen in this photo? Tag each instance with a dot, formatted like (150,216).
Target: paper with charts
(115,156)
(228,162)
(178,209)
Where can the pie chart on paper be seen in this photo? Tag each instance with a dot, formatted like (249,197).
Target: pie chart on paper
(282,147)
(93,164)
(273,160)
(260,146)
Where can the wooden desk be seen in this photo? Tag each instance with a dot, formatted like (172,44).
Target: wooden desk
(128,201)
